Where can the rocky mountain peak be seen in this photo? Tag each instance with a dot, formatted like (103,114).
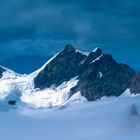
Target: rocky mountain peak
(98,50)
(62,68)
(99,74)
(68,49)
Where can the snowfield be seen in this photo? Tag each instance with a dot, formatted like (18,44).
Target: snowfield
(106,119)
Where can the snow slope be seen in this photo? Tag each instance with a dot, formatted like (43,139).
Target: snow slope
(50,97)
(21,88)
(18,87)
(106,119)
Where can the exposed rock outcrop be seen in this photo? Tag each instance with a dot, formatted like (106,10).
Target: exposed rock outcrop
(104,77)
(62,68)
(99,74)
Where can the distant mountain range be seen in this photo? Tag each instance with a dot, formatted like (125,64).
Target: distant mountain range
(69,76)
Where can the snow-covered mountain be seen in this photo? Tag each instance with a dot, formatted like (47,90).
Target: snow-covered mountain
(98,74)
(19,90)
(52,102)
(68,77)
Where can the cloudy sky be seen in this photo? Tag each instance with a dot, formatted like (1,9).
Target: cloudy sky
(43,27)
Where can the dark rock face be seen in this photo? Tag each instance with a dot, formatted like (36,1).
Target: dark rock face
(92,56)
(1,71)
(104,77)
(99,74)
(62,68)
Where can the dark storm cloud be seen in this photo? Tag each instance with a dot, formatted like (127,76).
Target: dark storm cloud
(44,26)
(23,19)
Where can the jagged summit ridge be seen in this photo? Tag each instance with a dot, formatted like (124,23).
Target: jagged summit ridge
(92,56)
(61,68)
(68,49)
(99,74)
(66,65)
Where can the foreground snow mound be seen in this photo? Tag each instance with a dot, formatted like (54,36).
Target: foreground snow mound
(106,119)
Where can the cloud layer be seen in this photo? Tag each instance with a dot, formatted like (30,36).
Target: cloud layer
(40,27)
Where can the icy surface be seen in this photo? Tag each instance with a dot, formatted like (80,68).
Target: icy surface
(106,119)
